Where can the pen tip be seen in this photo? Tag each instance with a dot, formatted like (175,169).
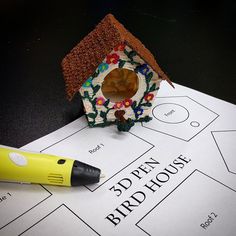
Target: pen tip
(102,175)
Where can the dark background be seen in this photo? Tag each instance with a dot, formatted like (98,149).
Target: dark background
(193,42)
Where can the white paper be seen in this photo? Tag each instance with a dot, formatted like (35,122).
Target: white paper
(175,175)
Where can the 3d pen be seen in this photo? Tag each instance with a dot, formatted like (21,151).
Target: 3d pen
(29,167)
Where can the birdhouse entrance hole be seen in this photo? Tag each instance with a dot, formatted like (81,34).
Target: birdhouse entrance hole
(120,84)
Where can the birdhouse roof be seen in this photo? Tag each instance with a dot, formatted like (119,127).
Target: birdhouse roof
(84,58)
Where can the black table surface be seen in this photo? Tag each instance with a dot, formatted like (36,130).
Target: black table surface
(193,42)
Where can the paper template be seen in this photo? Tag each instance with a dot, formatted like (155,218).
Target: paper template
(13,197)
(175,175)
(62,221)
(194,191)
(178,116)
(225,141)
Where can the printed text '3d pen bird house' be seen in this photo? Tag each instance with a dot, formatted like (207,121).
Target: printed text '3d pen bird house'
(116,75)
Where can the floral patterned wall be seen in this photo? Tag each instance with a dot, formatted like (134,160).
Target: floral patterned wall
(100,111)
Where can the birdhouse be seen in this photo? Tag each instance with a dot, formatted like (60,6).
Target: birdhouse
(115,74)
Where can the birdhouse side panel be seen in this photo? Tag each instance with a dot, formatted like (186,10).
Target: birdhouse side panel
(100,109)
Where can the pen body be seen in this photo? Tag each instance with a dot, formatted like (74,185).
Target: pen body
(22,166)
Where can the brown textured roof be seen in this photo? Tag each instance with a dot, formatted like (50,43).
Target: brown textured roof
(85,57)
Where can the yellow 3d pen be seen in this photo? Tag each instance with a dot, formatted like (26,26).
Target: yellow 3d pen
(29,167)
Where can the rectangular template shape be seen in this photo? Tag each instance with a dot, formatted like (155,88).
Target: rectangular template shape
(62,221)
(225,141)
(103,149)
(194,208)
(14,203)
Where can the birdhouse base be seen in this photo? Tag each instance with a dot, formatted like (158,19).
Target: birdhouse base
(120,125)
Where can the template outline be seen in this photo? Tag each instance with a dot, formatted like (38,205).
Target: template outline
(152,146)
(218,131)
(92,190)
(186,140)
(62,205)
(172,104)
(61,140)
(196,170)
(50,194)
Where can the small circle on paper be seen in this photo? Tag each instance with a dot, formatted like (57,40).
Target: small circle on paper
(194,124)
(170,113)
